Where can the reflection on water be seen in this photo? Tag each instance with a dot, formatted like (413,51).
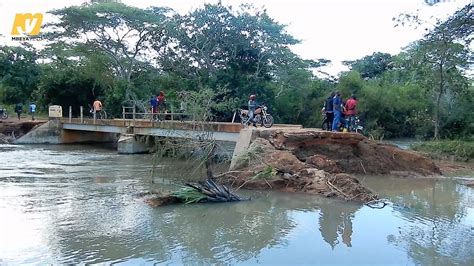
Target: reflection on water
(71,204)
(439,218)
(335,222)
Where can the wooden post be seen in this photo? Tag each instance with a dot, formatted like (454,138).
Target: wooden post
(134,111)
(82,114)
(95,113)
(70,114)
(233,117)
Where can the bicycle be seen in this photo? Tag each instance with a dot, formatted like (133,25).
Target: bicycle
(101,114)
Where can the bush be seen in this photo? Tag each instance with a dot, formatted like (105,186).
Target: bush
(453,149)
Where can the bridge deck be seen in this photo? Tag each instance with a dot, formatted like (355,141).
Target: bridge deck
(223,131)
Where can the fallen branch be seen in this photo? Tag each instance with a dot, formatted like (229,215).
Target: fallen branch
(230,172)
(374,204)
(337,189)
(205,191)
(268,183)
(363,168)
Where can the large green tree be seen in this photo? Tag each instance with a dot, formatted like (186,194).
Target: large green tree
(124,34)
(18,73)
(440,60)
(371,66)
(220,47)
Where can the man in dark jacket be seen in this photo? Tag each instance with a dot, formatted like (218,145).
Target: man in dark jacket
(328,109)
(18,109)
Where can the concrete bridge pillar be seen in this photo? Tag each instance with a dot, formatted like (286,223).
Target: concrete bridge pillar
(246,136)
(129,144)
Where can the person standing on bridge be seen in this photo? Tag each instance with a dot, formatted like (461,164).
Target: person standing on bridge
(97,106)
(161,102)
(351,112)
(33,110)
(153,105)
(18,109)
(252,107)
(337,109)
(328,111)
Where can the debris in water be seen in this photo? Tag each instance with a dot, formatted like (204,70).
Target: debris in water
(204,191)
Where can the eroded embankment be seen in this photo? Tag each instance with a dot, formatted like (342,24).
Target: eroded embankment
(13,129)
(320,162)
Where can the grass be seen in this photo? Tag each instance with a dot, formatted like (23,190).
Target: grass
(459,150)
(188,195)
(268,172)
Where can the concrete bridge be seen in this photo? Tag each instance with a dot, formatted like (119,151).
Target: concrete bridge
(125,132)
(187,129)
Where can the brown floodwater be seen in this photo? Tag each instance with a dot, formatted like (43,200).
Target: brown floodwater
(79,204)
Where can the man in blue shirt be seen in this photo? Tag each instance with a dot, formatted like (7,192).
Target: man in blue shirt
(337,109)
(153,105)
(33,111)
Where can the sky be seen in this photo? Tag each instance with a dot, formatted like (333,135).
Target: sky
(333,29)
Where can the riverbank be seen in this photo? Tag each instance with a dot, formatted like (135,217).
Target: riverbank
(321,162)
(12,128)
(454,150)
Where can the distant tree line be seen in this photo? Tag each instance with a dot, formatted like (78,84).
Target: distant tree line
(124,54)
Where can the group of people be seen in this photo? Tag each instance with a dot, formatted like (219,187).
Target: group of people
(338,111)
(158,103)
(19,110)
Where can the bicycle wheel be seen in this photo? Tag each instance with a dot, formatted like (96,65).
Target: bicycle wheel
(267,121)
(5,115)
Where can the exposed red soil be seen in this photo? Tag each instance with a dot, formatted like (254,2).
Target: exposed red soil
(317,162)
(13,128)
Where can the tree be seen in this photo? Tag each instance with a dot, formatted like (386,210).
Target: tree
(73,83)
(218,47)
(460,25)
(18,73)
(125,34)
(371,66)
(439,60)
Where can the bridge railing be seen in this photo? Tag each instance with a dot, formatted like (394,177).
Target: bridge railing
(130,113)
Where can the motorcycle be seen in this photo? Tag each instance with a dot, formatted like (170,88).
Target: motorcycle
(3,113)
(326,125)
(353,126)
(261,116)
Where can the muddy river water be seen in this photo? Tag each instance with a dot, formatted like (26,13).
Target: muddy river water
(79,204)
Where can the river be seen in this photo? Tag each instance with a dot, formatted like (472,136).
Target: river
(79,204)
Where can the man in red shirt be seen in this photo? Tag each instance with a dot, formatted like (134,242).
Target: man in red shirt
(351,111)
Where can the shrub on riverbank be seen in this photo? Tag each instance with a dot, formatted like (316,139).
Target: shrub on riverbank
(461,150)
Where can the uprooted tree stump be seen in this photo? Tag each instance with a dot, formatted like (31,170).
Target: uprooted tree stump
(202,192)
